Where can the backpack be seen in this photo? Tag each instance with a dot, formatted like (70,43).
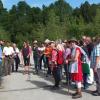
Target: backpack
(60,58)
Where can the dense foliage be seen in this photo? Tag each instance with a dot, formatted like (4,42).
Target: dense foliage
(58,20)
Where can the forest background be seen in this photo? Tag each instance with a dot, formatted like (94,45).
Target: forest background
(56,21)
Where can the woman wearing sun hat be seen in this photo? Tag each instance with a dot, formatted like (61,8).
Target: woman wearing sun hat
(76,67)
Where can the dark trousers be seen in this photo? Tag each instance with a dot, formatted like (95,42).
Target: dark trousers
(85,76)
(48,66)
(57,75)
(36,63)
(66,68)
(17,61)
(40,61)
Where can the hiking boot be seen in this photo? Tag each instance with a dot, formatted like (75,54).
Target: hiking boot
(74,93)
(78,95)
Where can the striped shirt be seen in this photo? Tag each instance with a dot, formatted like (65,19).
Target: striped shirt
(95,53)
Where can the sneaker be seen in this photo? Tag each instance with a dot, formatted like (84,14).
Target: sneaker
(55,87)
(96,94)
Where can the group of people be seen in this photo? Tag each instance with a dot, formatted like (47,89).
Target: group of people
(80,60)
(9,59)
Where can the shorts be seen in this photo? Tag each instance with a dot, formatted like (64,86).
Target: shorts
(26,61)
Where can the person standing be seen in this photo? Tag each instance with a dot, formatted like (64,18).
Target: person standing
(54,67)
(95,65)
(36,56)
(26,57)
(16,57)
(41,55)
(67,54)
(8,54)
(76,68)
(47,53)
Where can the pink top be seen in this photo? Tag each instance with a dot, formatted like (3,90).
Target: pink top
(54,55)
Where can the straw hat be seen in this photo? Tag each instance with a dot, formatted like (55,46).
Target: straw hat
(65,41)
(73,39)
(47,41)
(35,41)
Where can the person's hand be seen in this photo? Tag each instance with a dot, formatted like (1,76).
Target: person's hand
(66,61)
(28,56)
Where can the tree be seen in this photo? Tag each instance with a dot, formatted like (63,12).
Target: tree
(97,22)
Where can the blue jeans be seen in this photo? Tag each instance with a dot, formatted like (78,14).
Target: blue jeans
(36,63)
(57,75)
(66,68)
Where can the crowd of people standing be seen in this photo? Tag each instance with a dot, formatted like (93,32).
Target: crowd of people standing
(80,60)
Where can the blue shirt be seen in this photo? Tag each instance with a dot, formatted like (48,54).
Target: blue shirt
(0,55)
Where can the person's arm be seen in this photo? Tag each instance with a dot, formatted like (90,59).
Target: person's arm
(76,55)
(0,54)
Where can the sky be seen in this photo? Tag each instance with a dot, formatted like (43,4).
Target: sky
(38,3)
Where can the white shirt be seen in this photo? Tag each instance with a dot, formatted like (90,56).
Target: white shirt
(8,51)
(16,51)
(41,48)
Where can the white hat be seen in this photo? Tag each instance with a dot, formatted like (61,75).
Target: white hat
(35,41)
(47,41)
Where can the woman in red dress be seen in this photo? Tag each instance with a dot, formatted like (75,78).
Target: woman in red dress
(76,68)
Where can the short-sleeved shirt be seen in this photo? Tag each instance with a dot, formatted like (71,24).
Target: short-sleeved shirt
(25,51)
(8,51)
(95,53)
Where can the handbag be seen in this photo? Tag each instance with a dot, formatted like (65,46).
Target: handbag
(85,68)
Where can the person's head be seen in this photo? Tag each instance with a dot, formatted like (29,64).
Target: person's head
(84,37)
(2,42)
(73,42)
(97,40)
(35,42)
(8,43)
(14,45)
(88,40)
(53,45)
(60,47)
(25,44)
(47,42)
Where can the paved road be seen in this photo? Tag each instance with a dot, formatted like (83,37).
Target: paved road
(35,87)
